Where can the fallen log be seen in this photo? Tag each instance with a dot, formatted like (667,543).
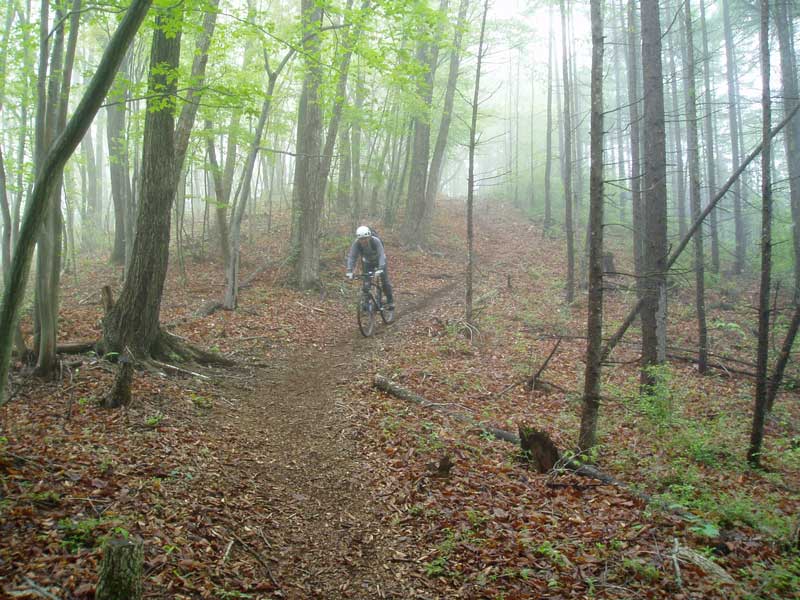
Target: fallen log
(563,463)
(383,383)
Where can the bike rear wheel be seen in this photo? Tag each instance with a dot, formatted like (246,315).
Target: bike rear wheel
(366,316)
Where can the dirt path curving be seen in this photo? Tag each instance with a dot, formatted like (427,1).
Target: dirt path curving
(325,534)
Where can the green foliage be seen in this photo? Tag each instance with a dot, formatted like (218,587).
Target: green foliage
(641,570)
(656,400)
(440,565)
(201,402)
(154,420)
(430,441)
(77,534)
(47,498)
(776,579)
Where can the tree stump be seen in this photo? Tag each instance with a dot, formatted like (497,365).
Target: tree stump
(539,447)
(120,393)
(121,570)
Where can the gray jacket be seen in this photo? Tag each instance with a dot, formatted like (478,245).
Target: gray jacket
(373,254)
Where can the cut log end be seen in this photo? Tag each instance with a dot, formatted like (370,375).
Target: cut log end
(121,570)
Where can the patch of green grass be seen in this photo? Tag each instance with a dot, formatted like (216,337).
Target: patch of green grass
(641,570)
(201,402)
(154,420)
(439,566)
(777,579)
(77,534)
(48,498)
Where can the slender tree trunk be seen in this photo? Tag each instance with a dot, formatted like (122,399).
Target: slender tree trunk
(548,165)
(437,159)
(694,187)
(5,211)
(594,322)
(677,137)
(733,123)
(710,140)
(655,194)
(762,355)
(52,166)
(619,24)
(417,222)
(194,94)
(232,266)
(791,97)
(51,237)
(566,153)
(118,165)
(344,186)
(471,175)
(355,149)
(634,95)
(532,116)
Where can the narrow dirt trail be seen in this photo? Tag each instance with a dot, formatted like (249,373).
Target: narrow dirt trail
(327,536)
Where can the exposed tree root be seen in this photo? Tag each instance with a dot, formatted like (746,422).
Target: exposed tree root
(175,348)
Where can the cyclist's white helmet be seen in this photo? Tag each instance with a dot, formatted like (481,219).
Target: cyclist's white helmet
(363,232)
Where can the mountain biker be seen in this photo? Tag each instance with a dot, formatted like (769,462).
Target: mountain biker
(370,248)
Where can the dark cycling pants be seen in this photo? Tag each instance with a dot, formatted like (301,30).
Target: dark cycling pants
(387,286)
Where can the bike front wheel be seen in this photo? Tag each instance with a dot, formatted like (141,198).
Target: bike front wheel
(366,316)
(387,314)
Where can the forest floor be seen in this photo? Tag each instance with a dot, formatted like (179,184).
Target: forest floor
(291,476)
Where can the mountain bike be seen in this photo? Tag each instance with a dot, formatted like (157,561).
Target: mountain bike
(372,302)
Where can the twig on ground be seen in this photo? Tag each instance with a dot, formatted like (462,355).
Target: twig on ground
(676,565)
(33,588)
(174,369)
(314,308)
(260,560)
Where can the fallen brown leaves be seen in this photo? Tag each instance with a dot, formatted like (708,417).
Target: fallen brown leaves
(290,476)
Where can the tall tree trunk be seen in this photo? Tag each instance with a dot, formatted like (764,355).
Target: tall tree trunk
(437,158)
(353,34)
(762,354)
(471,166)
(619,44)
(710,140)
(548,165)
(48,273)
(791,97)
(306,202)
(5,211)
(566,153)
(634,94)
(693,148)
(417,222)
(679,193)
(118,166)
(733,121)
(355,150)
(133,322)
(232,267)
(594,321)
(655,194)
(344,185)
(51,168)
